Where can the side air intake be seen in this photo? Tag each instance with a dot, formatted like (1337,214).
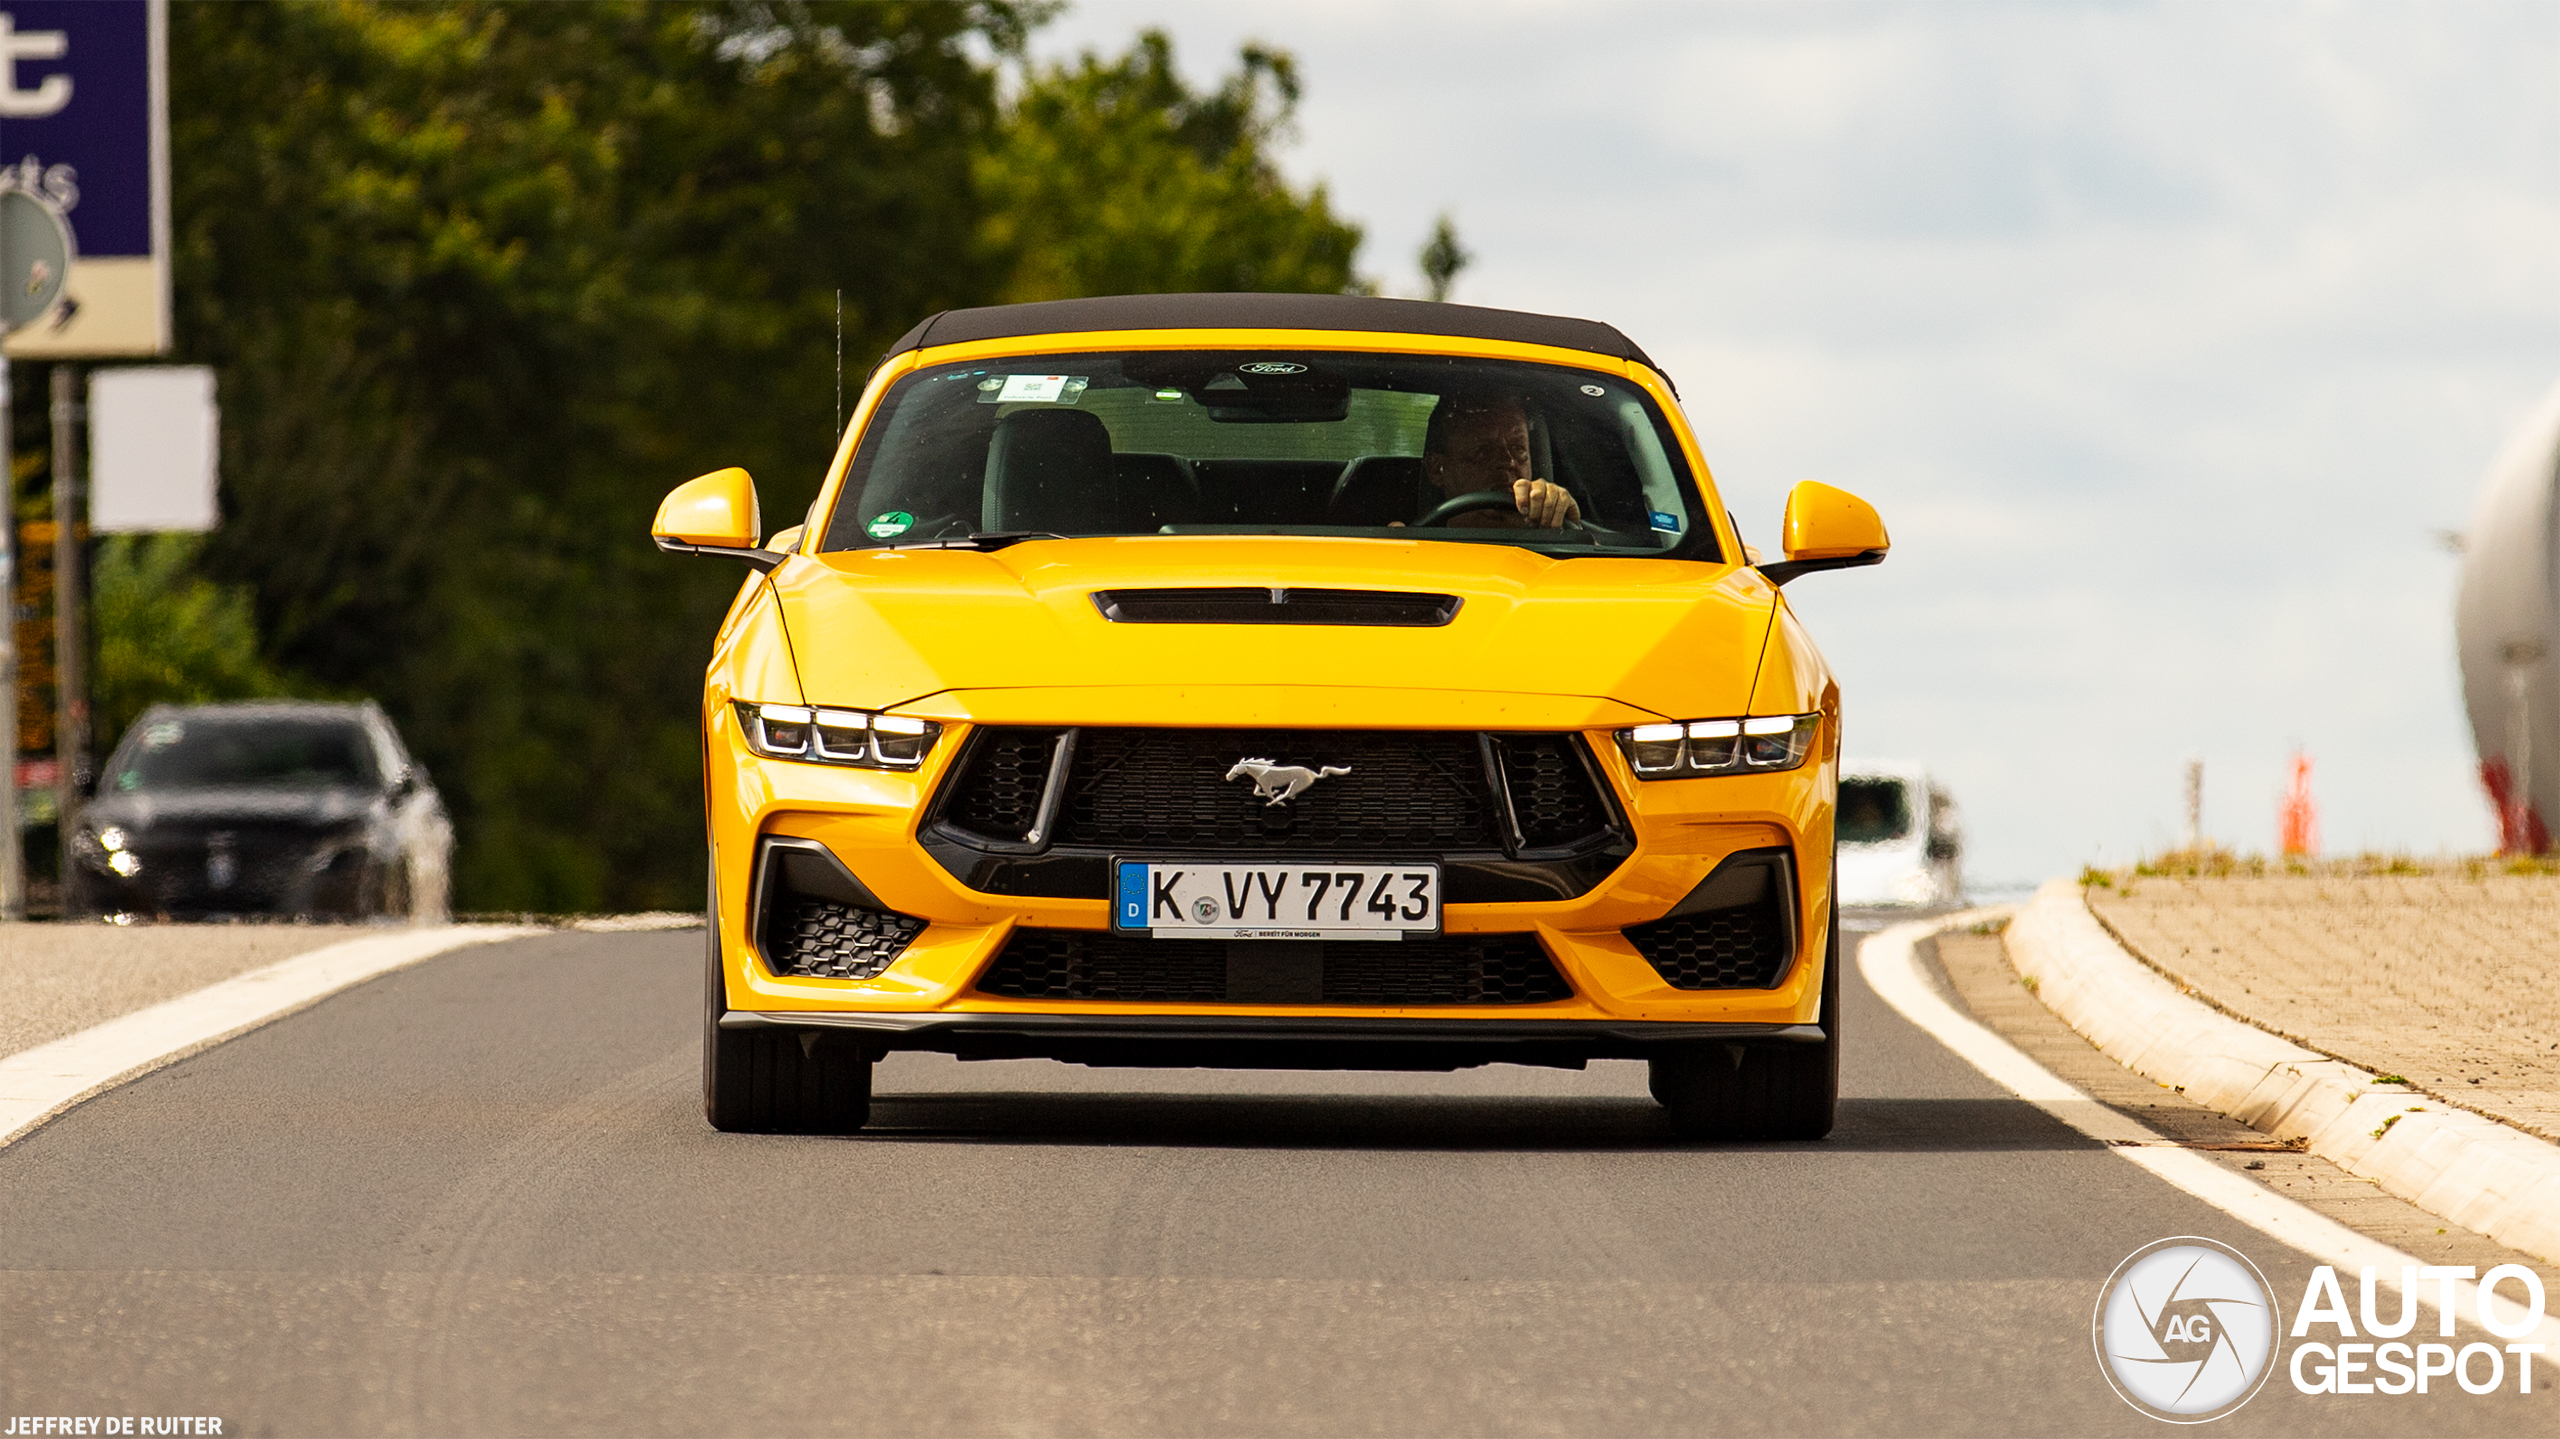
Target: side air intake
(814,919)
(1736,930)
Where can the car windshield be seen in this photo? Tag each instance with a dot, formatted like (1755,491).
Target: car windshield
(192,752)
(1296,442)
(1873,811)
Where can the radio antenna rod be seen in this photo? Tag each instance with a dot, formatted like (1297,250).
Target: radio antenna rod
(837,434)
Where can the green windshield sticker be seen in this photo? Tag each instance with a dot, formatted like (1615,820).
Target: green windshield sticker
(891,525)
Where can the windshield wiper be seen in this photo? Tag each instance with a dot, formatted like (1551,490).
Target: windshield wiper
(983,540)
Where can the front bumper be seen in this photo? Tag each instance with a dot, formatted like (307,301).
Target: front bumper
(1269,1041)
(930,995)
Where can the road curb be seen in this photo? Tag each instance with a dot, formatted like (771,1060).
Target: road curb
(37,1084)
(2481,1174)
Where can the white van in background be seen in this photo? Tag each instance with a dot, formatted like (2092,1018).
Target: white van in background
(1899,840)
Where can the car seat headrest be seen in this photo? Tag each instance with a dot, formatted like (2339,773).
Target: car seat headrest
(1379,490)
(1045,468)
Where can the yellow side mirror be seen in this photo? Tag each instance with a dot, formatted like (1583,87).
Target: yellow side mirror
(1827,529)
(715,514)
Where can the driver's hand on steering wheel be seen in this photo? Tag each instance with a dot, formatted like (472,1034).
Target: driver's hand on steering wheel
(1545,505)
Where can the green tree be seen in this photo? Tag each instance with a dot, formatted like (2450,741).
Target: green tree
(166,634)
(483,280)
(1442,258)
(1114,177)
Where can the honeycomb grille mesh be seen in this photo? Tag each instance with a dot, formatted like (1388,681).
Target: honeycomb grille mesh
(999,796)
(1551,792)
(1076,964)
(822,939)
(1407,792)
(1739,948)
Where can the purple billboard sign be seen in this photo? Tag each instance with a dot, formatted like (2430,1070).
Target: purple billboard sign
(84,129)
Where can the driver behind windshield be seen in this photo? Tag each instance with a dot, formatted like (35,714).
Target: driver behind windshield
(1474,446)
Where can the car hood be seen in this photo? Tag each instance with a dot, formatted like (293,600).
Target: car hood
(874,629)
(237,804)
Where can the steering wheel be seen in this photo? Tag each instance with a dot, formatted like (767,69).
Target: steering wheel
(1468,504)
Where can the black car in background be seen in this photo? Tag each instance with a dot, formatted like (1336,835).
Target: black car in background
(269,808)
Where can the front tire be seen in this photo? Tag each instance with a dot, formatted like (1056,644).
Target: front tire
(1759,1091)
(775,1081)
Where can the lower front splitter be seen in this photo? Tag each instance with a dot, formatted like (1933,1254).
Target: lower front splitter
(1264,1041)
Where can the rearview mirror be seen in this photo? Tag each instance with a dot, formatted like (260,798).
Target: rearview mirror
(714,514)
(1827,529)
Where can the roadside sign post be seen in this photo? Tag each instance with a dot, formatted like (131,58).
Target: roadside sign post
(35,255)
(13,860)
(84,178)
(70,605)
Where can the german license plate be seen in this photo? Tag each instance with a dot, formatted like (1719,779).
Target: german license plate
(1311,900)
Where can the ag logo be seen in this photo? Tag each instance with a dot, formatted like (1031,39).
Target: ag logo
(2186,1330)
(1271,367)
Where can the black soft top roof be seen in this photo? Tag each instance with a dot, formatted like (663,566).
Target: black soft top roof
(1270,312)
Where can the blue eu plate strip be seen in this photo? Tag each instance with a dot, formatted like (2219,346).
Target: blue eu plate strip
(1129,911)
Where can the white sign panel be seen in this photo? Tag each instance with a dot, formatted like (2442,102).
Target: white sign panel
(152,437)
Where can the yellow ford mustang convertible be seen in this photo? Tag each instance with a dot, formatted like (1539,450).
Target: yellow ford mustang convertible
(1269,680)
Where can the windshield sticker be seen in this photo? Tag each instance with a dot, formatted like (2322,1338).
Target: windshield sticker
(1039,389)
(1594,391)
(890,525)
(1272,367)
(1664,519)
(163,734)
(1173,395)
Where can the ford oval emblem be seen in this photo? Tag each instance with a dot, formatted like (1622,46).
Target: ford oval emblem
(1273,367)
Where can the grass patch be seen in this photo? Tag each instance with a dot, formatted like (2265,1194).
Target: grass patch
(2215,862)
(2391,1079)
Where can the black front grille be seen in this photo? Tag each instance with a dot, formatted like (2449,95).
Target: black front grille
(822,939)
(1078,964)
(1236,605)
(1740,948)
(1552,794)
(1509,816)
(998,792)
(1166,790)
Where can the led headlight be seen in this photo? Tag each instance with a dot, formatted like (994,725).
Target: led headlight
(831,736)
(1762,744)
(106,847)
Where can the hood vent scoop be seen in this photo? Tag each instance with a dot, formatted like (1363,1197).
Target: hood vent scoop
(1259,606)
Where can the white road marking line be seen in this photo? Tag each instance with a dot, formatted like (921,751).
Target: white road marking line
(39,1083)
(1891,964)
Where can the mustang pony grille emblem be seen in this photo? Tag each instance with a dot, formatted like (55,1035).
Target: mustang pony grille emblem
(1281,783)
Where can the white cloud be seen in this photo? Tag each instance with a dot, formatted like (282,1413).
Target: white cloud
(2164,335)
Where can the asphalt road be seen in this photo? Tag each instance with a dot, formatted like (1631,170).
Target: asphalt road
(478,1197)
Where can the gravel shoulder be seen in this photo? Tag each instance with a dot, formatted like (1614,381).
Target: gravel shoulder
(59,979)
(2452,982)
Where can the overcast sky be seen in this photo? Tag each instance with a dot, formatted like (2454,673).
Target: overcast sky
(2166,337)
